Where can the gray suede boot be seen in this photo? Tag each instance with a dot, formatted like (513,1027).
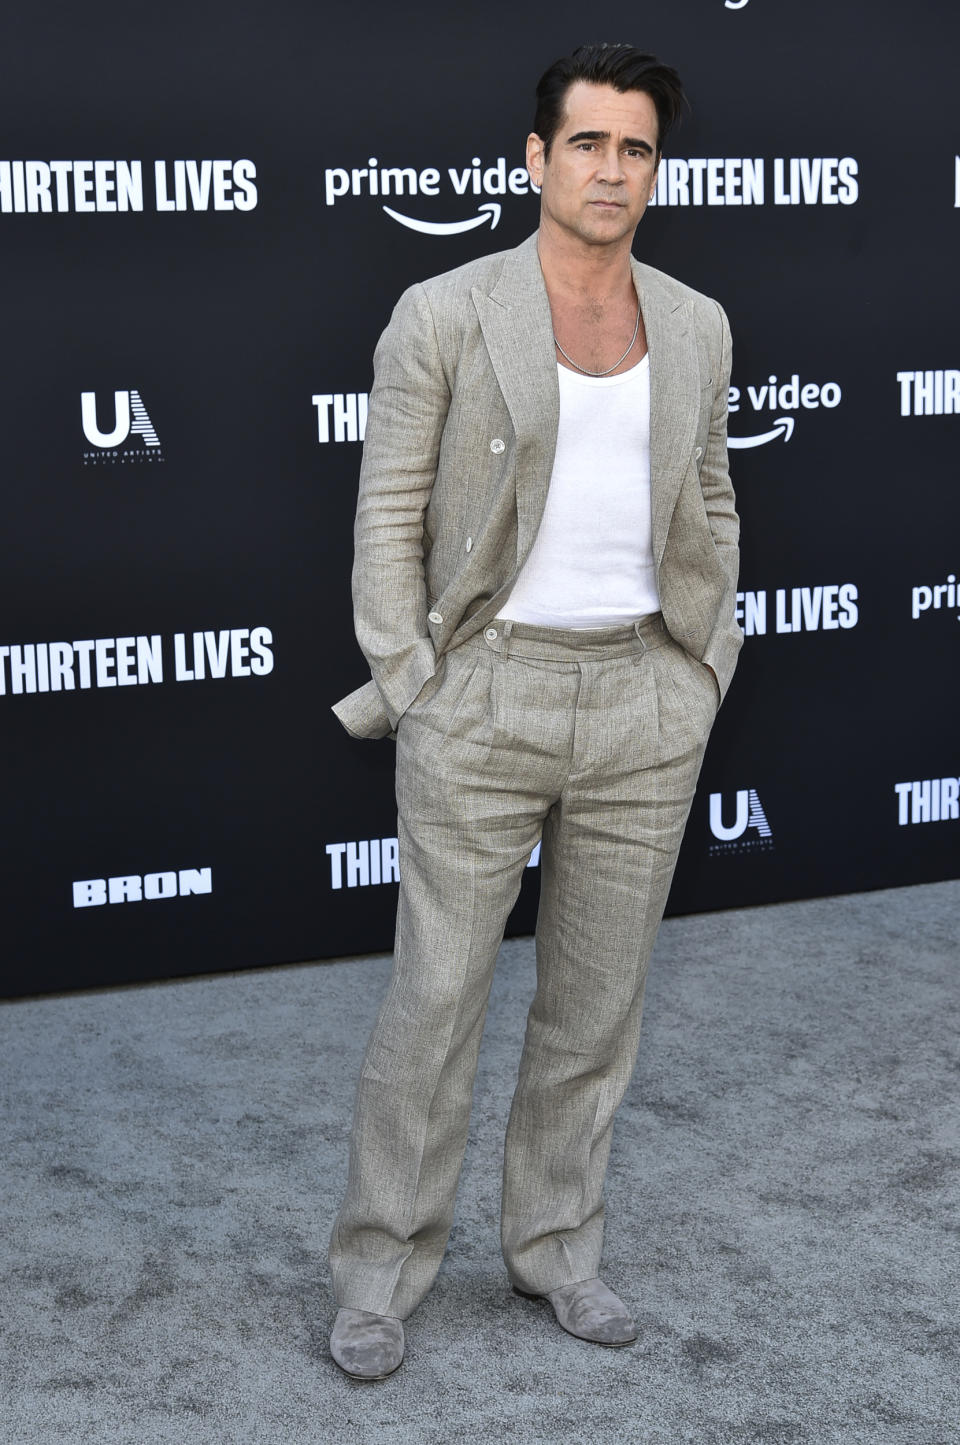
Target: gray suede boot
(591,1311)
(365,1345)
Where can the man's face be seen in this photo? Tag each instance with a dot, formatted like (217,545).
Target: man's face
(602,168)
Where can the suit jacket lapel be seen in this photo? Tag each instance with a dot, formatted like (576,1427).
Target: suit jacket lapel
(518,333)
(674,395)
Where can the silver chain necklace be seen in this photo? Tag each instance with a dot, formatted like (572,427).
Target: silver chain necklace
(576,365)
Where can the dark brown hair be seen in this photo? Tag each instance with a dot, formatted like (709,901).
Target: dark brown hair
(622,66)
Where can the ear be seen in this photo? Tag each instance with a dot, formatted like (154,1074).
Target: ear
(653,179)
(536,158)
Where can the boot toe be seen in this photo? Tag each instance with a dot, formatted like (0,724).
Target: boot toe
(591,1311)
(366,1346)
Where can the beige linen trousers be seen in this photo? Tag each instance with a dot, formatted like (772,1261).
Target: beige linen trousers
(508,733)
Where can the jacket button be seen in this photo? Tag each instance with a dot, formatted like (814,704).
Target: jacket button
(434,617)
(497,446)
(469,544)
(491,634)
(698,453)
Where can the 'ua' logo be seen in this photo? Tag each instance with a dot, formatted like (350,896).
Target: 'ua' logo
(750,814)
(125,405)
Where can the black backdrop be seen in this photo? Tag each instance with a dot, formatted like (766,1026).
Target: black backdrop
(221,318)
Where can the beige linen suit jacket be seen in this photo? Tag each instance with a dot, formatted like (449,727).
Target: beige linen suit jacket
(459,449)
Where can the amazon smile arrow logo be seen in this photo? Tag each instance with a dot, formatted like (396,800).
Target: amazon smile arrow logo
(783,427)
(490,211)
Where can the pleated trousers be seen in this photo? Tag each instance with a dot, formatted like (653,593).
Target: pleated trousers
(591,741)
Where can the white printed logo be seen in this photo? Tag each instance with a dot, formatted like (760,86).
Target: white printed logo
(785,396)
(363,864)
(800,609)
(743,181)
(348,412)
(929,393)
(489,211)
(130,418)
(945,595)
(138,661)
(408,182)
(132,888)
(932,800)
(749,814)
(114,186)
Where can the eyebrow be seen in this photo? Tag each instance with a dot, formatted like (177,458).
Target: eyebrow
(605,135)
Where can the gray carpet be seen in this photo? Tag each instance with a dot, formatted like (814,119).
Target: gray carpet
(782,1205)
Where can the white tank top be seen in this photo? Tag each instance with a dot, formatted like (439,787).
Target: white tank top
(591,564)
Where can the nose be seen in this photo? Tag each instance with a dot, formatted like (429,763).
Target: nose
(610,168)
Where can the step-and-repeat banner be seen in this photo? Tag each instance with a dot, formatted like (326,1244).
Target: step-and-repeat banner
(205,223)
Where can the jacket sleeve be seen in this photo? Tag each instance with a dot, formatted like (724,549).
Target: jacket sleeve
(718,498)
(407,413)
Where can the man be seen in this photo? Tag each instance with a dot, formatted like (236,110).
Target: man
(544,588)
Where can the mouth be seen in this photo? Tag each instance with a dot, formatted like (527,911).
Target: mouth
(607,205)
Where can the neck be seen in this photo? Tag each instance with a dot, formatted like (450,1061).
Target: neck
(574,267)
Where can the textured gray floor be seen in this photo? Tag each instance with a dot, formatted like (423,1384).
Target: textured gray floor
(782,1205)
